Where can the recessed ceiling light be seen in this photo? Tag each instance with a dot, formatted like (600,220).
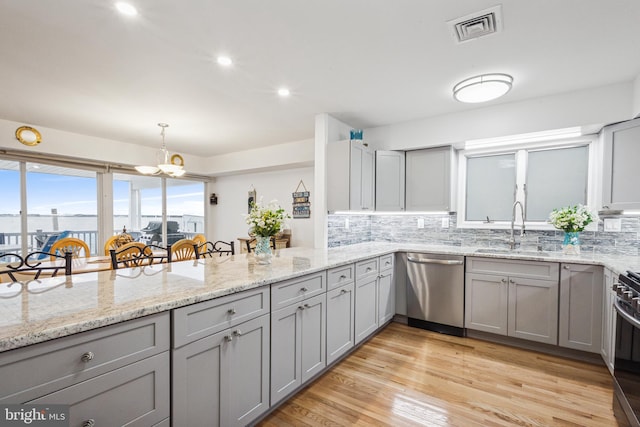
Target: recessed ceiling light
(284,92)
(126,9)
(482,88)
(225,61)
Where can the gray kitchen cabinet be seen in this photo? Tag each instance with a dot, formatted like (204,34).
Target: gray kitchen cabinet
(581,307)
(366,304)
(430,179)
(512,297)
(134,395)
(386,290)
(56,367)
(607,346)
(620,171)
(298,336)
(340,321)
(390,179)
(351,181)
(222,379)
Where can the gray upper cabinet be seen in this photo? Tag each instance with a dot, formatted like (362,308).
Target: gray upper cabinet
(390,180)
(350,176)
(430,179)
(581,307)
(620,171)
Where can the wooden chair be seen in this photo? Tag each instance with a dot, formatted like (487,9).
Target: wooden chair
(218,248)
(251,244)
(12,264)
(183,249)
(132,254)
(114,242)
(200,240)
(69,244)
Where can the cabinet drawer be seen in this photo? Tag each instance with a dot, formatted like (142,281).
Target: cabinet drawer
(367,268)
(206,318)
(519,268)
(295,290)
(386,262)
(30,372)
(135,395)
(339,276)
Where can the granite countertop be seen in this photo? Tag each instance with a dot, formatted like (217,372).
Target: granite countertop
(40,310)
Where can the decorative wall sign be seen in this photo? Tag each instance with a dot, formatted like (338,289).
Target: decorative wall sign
(301,204)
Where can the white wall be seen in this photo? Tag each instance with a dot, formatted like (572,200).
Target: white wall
(226,220)
(603,105)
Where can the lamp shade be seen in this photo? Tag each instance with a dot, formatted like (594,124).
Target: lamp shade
(482,88)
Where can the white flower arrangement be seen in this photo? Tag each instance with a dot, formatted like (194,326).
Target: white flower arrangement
(266,220)
(571,218)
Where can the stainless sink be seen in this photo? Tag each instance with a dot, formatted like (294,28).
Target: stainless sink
(510,252)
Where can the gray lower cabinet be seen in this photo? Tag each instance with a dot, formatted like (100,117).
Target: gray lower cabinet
(298,335)
(581,307)
(222,379)
(608,341)
(340,321)
(134,395)
(522,302)
(366,311)
(386,290)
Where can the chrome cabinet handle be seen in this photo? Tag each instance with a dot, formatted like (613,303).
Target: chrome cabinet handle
(231,311)
(237,333)
(228,338)
(342,292)
(369,269)
(307,306)
(434,261)
(89,423)
(342,277)
(303,289)
(300,307)
(87,356)
(511,281)
(503,280)
(566,267)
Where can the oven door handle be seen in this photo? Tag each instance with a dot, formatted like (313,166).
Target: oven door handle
(629,318)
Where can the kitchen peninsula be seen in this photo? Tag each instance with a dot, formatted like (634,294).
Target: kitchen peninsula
(137,302)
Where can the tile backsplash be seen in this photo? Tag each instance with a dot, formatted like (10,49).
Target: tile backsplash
(404,228)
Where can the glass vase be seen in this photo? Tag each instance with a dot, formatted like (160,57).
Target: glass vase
(262,251)
(571,243)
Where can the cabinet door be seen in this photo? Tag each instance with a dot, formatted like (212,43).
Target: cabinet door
(389,180)
(286,348)
(361,182)
(386,297)
(620,171)
(314,323)
(366,321)
(245,378)
(234,361)
(340,321)
(428,179)
(581,307)
(486,303)
(533,310)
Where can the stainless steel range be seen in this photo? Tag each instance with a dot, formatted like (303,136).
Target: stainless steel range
(627,350)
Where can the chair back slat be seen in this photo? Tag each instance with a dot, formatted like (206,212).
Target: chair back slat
(13,264)
(183,249)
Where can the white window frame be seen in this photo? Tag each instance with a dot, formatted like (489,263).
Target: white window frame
(594,174)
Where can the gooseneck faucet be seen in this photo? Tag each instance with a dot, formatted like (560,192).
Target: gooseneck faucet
(512,240)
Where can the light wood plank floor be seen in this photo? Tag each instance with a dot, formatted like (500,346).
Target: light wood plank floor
(406,376)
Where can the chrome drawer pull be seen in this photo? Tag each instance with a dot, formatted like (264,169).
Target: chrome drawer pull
(342,277)
(342,292)
(503,280)
(231,311)
(228,338)
(237,333)
(87,357)
(300,307)
(307,306)
(303,289)
(89,423)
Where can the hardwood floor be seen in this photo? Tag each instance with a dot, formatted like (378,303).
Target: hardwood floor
(406,376)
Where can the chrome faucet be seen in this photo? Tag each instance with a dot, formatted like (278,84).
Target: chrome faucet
(512,240)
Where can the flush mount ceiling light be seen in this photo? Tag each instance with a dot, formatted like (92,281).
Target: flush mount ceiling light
(225,61)
(172,165)
(284,92)
(482,88)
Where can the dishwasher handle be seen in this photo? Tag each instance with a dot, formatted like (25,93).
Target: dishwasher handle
(434,261)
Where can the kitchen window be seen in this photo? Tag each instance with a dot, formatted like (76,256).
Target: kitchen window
(541,176)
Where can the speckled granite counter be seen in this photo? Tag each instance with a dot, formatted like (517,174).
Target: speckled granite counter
(50,308)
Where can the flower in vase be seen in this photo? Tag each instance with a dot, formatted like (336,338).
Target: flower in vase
(266,220)
(571,218)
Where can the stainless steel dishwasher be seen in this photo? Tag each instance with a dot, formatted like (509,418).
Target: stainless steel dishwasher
(435,292)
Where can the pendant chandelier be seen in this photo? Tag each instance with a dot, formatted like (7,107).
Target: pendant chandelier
(172,165)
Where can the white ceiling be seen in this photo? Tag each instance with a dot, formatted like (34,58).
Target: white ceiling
(80,66)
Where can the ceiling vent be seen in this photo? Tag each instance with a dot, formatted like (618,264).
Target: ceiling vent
(476,25)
